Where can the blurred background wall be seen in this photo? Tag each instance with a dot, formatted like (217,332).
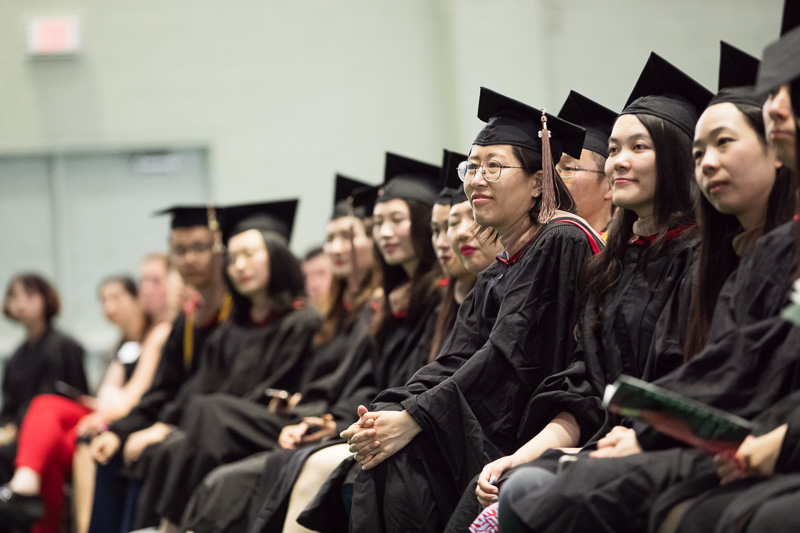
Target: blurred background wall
(191,101)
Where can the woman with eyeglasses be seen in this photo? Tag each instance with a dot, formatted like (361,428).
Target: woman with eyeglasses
(635,293)
(421,443)
(474,255)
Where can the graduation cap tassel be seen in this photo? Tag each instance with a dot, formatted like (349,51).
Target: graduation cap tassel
(213,225)
(547,208)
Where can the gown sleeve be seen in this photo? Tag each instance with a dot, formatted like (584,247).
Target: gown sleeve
(466,337)
(284,355)
(745,366)
(531,338)
(207,373)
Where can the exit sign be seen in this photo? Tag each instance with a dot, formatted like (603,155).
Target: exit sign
(54,36)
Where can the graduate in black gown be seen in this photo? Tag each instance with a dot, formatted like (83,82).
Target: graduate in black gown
(742,367)
(196,249)
(459,280)
(586,177)
(743,501)
(46,356)
(220,503)
(263,345)
(399,343)
(635,294)
(513,330)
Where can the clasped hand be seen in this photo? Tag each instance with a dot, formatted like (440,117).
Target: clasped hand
(310,431)
(376,436)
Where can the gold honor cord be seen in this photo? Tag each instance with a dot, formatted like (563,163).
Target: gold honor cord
(188,332)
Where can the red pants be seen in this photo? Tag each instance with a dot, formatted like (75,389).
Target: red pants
(46,446)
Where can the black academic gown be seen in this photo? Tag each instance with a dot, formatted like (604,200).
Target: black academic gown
(760,504)
(171,374)
(403,352)
(237,362)
(641,333)
(330,370)
(512,331)
(747,365)
(33,370)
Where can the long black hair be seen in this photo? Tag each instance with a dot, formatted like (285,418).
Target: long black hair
(424,279)
(285,286)
(672,206)
(338,317)
(717,258)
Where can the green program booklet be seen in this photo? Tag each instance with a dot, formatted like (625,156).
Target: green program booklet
(682,418)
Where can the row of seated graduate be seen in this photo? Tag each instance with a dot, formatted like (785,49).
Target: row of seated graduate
(477,311)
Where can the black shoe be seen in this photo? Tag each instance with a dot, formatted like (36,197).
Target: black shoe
(18,509)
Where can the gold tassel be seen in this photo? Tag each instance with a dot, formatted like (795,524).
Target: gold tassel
(547,208)
(213,225)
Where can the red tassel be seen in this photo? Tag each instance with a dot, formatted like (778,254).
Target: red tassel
(548,206)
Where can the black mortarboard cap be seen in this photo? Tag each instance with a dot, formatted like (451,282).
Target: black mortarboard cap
(791,16)
(450,180)
(186,216)
(665,91)
(781,63)
(595,118)
(737,76)
(509,121)
(352,197)
(364,200)
(445,196)
(277,217)
(409,179)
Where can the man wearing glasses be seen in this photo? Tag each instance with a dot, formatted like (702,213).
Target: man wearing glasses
(585,177)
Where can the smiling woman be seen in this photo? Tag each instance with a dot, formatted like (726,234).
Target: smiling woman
(432,435)
(631,164)
(639,284)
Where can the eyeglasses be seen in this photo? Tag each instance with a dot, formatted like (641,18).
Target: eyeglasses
(197,248)
(491,170)
(569,172)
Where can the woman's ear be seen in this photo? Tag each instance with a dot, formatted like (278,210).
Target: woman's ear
(536,184)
